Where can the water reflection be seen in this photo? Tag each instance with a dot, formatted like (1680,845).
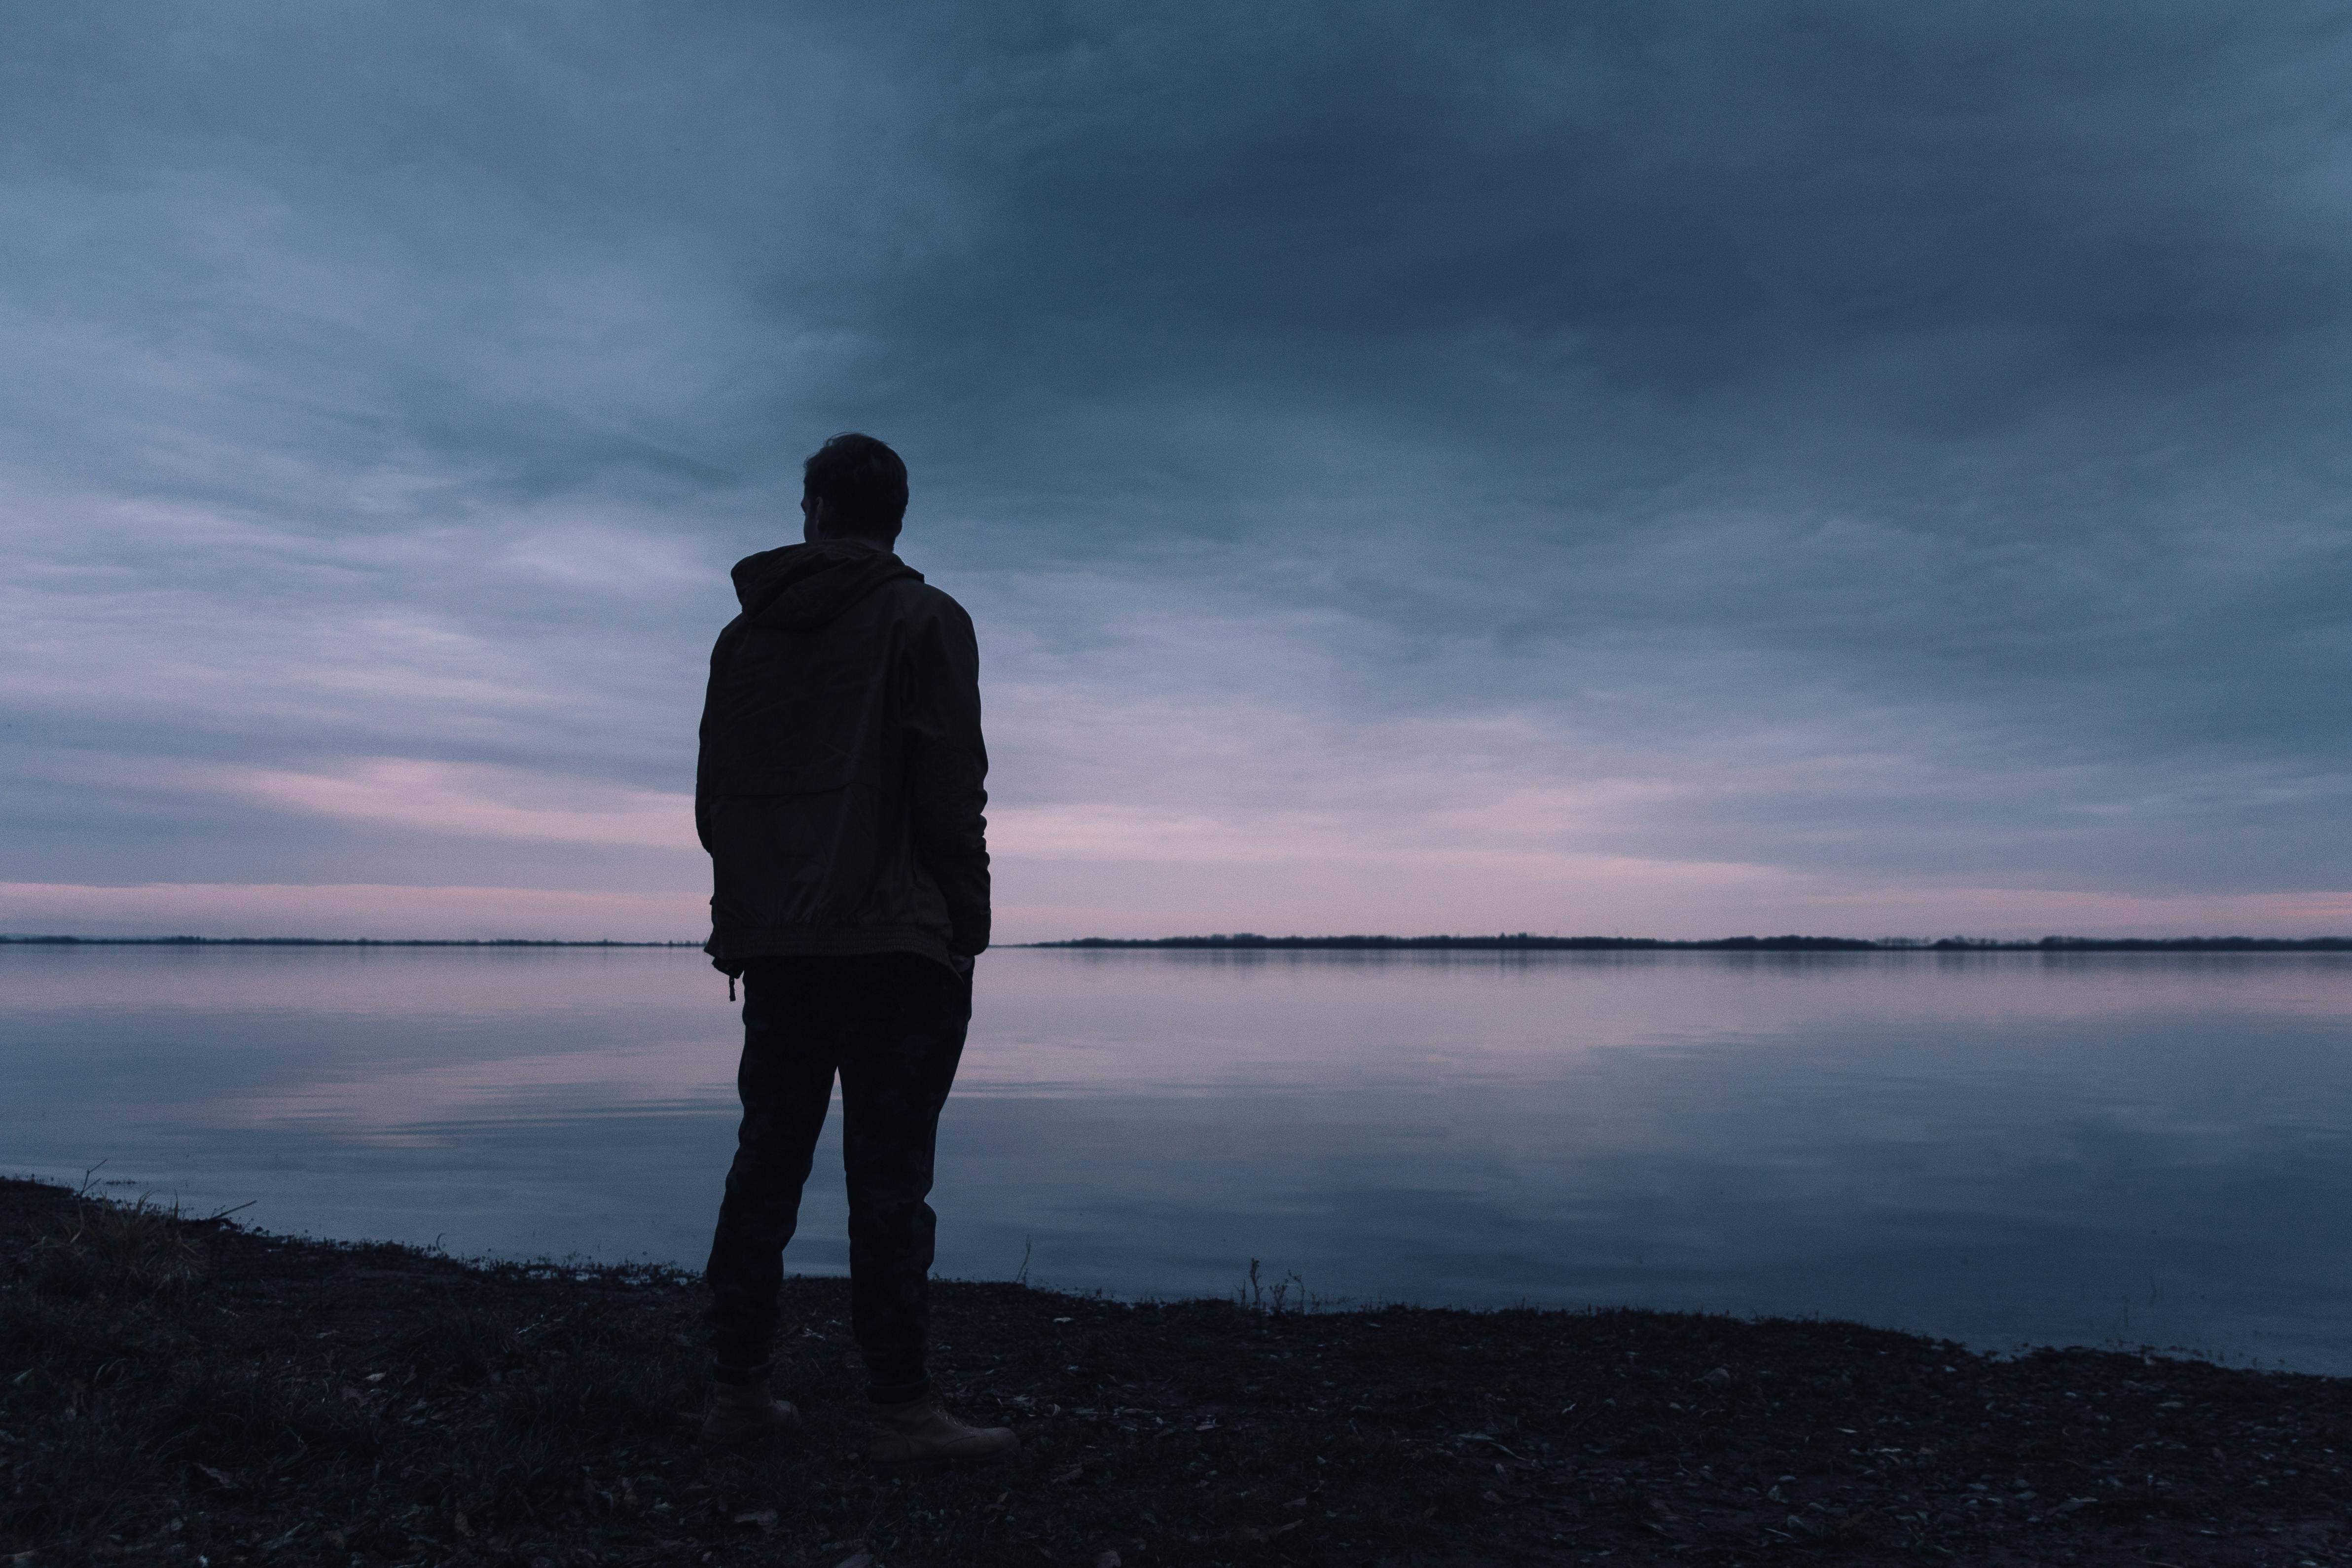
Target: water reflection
(2000,1148)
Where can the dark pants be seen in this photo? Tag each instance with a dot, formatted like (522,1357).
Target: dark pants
(892,1025)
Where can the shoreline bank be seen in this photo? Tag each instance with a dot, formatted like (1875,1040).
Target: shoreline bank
(176,1389)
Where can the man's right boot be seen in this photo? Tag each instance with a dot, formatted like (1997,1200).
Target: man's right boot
(920,1432)
(745,1413)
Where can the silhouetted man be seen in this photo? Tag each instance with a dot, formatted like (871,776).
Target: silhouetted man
(839,795)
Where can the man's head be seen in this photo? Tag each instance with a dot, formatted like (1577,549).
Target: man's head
(853,488)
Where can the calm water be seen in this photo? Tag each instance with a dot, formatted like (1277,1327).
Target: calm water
(2010,1149)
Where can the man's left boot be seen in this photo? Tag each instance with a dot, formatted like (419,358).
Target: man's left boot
(744,1413)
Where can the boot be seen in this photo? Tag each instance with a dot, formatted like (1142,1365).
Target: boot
(920,1431)
(744,1413)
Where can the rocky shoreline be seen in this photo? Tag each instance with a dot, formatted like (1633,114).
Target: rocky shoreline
(189,1392)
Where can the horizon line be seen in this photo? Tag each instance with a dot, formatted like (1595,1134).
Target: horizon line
(1791,942)
(43,940)
(1252,941)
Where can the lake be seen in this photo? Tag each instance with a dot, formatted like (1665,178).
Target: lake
(2002,1148)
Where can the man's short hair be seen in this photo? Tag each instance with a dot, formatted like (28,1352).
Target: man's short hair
(862,483)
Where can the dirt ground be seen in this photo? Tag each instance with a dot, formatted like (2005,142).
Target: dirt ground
(199,1393)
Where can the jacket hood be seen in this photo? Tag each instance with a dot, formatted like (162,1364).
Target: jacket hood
(802,587)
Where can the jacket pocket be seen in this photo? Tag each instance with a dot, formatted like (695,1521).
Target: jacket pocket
(804,859)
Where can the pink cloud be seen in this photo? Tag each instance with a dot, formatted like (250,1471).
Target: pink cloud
(470,800)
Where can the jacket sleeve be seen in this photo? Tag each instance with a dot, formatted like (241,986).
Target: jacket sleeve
(705,762)
(947,766)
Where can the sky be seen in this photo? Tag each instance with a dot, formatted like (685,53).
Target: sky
(1649,468)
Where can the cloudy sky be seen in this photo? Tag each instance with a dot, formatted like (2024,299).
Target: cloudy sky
(1660,469)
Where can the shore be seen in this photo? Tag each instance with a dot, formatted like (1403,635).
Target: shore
(189,1392)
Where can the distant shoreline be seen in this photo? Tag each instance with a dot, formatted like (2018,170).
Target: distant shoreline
(314,942)
(1245,941)
(1249,942)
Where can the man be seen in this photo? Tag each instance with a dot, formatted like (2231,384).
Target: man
(839,795)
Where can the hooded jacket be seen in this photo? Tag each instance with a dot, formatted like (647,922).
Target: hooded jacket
(839,788)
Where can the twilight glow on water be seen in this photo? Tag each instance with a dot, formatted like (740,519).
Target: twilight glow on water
(2004,1148)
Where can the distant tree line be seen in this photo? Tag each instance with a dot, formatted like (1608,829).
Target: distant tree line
(1252,942)
(1527,942)
(314,942)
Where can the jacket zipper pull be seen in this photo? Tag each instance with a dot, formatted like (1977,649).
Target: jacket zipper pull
(730,988)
